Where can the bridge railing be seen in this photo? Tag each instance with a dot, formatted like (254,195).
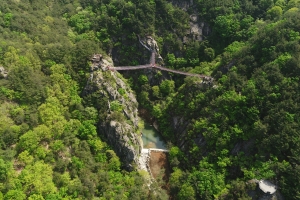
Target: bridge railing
(118,68)
(153,65)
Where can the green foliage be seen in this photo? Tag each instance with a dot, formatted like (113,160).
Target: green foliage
(113,161)
(116,106)
(227,26)
(87,130)
(234,47)
(77,163)
(7,18)
(186,192)
(167,87)
(209,54)
(3,170)
(51,111)
(274,12)
(36,197)
(121,91)
(157,111)
(156,91)
(37,179)
(249,104)
(143,79)
(81,21)
(14,194)
(246,125)
(25,158)
(29,140)
(27,83)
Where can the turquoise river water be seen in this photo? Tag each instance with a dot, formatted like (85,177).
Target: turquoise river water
(151,138)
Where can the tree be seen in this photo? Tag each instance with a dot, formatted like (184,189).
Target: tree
(209,54)
(113,160)
(3,170)
(28,84)
(186,192)
(87,130)
(176,180)
(36,197)
(25,158)
(167,87)
(14,195)
(51,111)
(274,12)
(37,179)
(81,21)
(227,26)
(29,141)
(143,79)
(155,91)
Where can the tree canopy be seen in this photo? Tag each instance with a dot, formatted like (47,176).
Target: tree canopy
(242,125)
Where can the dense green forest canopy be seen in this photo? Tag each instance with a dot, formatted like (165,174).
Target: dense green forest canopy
(243,127)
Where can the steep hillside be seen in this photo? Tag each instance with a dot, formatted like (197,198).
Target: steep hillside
(246,126)
(69,132)
(54,144)
(118,121)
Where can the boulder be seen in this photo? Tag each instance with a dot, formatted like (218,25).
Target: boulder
(3,72)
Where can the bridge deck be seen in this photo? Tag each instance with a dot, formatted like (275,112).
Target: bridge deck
(153,65)
(180,72)
(131,67)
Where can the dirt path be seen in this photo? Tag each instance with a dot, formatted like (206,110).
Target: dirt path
(158,163)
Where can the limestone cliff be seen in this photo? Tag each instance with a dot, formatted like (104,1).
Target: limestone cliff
(198,27)
(118,114)
(3,72)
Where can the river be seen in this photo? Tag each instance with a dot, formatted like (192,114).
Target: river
(151,138)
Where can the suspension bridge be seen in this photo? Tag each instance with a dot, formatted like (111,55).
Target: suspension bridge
(156,66)
(98,57)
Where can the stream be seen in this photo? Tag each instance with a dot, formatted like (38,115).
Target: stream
(151,138)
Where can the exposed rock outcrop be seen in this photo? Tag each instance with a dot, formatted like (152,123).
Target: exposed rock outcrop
(151,45)
(3,72)
(265,190)
(198,28)
(118,114)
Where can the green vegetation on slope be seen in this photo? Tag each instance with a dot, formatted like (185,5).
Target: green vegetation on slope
(49,145)
(246,126)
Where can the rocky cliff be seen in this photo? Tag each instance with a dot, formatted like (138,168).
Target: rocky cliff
(3,72)
(198,27)
(118,113)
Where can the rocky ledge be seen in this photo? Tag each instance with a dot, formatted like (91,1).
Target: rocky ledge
(118,113)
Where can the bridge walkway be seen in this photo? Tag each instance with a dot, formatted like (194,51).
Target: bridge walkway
(154,65)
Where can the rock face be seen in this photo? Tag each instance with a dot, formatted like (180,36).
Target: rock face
(265,190)
(151,45)
(3,72)
(118,113)
(198,28)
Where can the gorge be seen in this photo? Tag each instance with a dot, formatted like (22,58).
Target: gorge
(221,87)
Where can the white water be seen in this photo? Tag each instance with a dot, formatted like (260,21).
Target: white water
(143,161)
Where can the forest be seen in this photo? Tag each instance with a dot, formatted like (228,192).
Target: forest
(244,126)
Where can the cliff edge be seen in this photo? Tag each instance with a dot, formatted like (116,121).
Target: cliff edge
(117,108)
